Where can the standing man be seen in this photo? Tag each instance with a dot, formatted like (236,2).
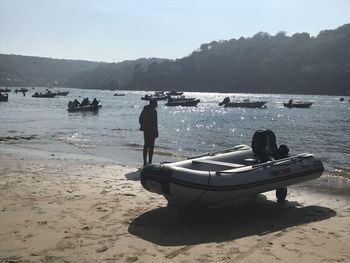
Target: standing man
(149,125)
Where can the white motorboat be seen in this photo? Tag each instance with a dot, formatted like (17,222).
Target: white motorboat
(247,103)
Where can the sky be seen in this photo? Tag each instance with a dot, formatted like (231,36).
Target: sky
(118,30)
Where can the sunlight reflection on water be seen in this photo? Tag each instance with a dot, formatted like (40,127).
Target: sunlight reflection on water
(322,129)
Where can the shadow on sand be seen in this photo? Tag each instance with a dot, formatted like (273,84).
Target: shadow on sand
(257,216)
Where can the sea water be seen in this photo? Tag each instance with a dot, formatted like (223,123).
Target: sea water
(322,130)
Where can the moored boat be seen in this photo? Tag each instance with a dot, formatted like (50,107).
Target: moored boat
(242,104)
(219,178)
(297,104)
(72,107)
(119,94)
(21,90)
(5,90)
(184,102)
(4,97)
(44,95)
(159,95)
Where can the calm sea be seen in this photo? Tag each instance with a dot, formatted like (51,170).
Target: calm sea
(322,129)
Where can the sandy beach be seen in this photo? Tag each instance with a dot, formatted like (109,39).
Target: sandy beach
(59,208)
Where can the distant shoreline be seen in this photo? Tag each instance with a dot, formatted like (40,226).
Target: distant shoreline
(192,91)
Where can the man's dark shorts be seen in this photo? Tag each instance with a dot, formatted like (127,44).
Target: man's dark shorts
(149,138)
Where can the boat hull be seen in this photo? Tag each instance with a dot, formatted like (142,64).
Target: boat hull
(5,90)
(253,104)
(4,98)
(210,181)
(298,105)
(155,98)
(51,95)
(21,90)
(185,103)
(85,108)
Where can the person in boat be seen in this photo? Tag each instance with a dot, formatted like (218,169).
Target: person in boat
(290,102)
(76,103)
(94,103)
(148,120)
(85,102)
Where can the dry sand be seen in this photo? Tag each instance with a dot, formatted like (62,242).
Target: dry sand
(59,209)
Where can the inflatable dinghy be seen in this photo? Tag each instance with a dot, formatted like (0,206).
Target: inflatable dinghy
(221,177)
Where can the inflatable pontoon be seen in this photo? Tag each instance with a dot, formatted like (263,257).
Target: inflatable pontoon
(221,177)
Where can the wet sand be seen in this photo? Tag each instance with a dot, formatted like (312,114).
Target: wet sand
(59,207)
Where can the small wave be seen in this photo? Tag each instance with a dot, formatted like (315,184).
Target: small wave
(16,138)
(338,173)
(77,140)
(133,145)
(331,183)
(121,129)
(164,153)
(157,150)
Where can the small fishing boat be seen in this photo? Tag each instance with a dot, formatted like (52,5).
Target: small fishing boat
(21,90)
(297,104)
(5,90)
(4,97)
(44,95)
(155,97)
(158,95)
(183,102)
(247,103)
(219,178)
(89,107)
(119,94)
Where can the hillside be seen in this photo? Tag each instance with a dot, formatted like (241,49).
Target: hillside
(260,64)
(110,75)
(16,70)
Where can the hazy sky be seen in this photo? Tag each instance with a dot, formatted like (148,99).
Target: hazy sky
(112,31)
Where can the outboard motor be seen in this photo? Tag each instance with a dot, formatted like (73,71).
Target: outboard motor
(225,101)
(264,145)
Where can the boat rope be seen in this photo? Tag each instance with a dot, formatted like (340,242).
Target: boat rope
(200,196)
(285,161)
